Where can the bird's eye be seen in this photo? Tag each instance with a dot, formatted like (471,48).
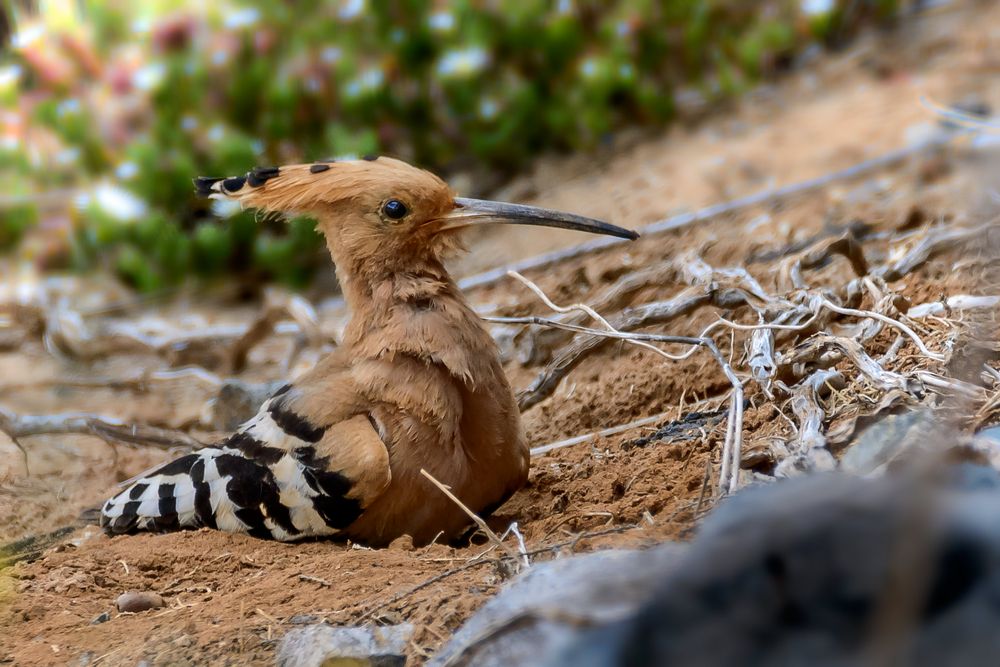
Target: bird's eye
(394,209)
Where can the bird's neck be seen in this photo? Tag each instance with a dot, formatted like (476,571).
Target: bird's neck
(373,290)
(418,311)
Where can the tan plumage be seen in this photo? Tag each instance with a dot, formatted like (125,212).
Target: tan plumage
(416,383)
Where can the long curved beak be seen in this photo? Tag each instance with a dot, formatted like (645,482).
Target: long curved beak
(469,212)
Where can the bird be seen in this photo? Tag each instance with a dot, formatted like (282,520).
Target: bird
(415,384)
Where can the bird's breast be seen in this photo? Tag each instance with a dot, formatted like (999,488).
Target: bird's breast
(467,435)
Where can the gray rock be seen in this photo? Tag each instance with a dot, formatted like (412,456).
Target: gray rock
(885,440)
(551,603)
(368,646)
(992,434)
(826,571)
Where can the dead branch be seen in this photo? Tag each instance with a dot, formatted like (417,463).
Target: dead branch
(613,430)
(659,312)
(885,319)
(760,359)
(954,303)
(68,333)
(845,245)
(931,245)
(824,351)
(107,429)
(729,475)
(139,383)
(950,385)
(698,272)
(278,306)
(535,345)
(808,452)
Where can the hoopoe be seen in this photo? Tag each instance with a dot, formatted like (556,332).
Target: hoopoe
(416,383)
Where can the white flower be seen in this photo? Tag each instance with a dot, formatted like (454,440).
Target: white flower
(351,9)
(330,54)
(462,62)
(242,18)
(67,156)
(72,105)
(141,26)
(149,77)
(27,36)
(815,7)
(127,171)
(368,81)
(117,202)
(10,76)
(488,109)
(441,21)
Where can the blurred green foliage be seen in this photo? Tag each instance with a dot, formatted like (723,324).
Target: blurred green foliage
(147,95)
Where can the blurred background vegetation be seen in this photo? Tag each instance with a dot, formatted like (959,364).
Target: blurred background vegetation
(109,108)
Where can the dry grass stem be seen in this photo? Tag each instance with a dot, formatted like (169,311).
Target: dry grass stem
(483,526)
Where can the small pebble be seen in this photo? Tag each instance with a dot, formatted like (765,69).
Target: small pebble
(102,618)
(136,601)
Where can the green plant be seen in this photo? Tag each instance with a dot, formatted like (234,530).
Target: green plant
(216,89)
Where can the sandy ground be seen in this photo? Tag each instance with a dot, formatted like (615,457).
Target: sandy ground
(230,597)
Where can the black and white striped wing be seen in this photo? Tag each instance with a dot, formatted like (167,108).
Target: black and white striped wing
(278,477)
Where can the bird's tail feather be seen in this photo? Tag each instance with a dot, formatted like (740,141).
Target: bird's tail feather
(164,500)
(215,487)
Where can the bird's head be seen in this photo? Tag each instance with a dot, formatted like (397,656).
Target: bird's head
(382,213)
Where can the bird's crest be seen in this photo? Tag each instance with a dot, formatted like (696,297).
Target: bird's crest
(311,187)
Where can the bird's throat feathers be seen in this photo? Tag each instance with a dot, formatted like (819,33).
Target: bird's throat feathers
(421,313)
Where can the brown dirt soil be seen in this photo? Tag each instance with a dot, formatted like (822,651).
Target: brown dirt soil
(230,598)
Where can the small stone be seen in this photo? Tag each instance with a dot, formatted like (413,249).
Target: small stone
(103,617)
(136,601)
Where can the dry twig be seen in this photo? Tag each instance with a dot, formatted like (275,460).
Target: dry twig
(808,452)
(483,526)
(729,475)
(111,431)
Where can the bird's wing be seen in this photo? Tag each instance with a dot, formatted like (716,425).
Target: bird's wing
(282,475)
